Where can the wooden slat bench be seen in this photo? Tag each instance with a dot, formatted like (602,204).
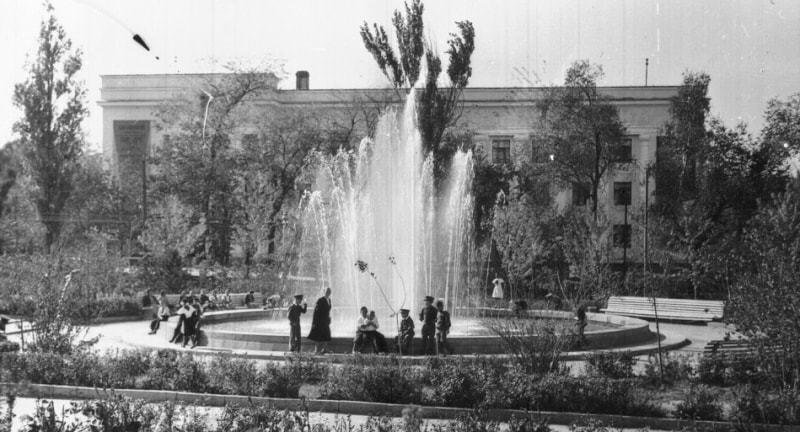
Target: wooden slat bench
(728,348)
(737,348)
(668,309)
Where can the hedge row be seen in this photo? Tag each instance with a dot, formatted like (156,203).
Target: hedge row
(85,309)
(455,382)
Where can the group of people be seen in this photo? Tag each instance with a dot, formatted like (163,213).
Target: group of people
(435,327)
(190,309)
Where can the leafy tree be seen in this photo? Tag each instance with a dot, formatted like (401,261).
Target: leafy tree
(100,205)
(764,302)
(684,139)
(9,167)
(271,165)
(8,173)
(198,167)
(581,129)
(519,239)
(20,229)
(52,103)
(438,109)
(782,124)
(734,174)
(586,248)
(710,181)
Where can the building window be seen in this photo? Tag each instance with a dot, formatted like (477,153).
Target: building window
(501,151)
(622,236)
(622,193)
(580,194)
(623,152)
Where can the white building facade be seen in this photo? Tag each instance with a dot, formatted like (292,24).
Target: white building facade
(502,120)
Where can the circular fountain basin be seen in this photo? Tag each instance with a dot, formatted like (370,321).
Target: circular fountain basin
(268,330)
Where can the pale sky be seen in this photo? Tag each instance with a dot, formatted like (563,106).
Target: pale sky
(751,48)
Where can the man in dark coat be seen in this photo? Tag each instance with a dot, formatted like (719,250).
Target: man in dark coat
(428,318)
(294,322)
(321,323)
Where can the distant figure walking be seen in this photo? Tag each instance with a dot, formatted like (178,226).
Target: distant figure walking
(294,322)
(581,315)
(321,323)
(428,318)
(442,329)
(406,335)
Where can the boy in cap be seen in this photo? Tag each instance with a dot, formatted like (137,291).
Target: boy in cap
(428,318)
(406,333)
(294,322)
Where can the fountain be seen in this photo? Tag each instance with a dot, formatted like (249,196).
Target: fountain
(377,206)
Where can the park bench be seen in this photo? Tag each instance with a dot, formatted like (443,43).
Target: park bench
(737,348)
(668,309)
(237,301)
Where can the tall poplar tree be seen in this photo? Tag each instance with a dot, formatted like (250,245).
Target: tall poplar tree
(53,107)
(438,108)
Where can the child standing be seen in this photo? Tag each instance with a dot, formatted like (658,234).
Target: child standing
(294,322)
(442,329)
(406,333)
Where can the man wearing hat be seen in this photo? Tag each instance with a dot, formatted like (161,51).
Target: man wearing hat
(406,334)
(428,318)
(294,322)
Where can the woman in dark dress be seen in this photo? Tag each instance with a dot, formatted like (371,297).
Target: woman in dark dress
(321,323)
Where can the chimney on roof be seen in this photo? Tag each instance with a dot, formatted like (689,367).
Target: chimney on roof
(302,80)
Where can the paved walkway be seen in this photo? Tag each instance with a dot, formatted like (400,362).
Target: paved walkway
(134,334)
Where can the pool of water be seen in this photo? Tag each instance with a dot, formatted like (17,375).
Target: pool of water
(460,327)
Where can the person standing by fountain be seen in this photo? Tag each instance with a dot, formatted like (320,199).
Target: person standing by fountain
(294,322)
(321,323)
(406,333)
(442,329)
(428,318)
(497,292)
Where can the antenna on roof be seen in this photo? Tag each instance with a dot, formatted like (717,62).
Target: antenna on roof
(646,66)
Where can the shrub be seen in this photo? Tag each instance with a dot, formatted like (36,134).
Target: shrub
(757,405)
(159,376)
(595,395)
(279,380)
(591,425)
(535,345)
(229,375)
(7,346)
(676,369)
(351,381)
(258,417)
(700,403)
(467,382)
(309,369)
(610,364)
(726,370)
(191,375)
